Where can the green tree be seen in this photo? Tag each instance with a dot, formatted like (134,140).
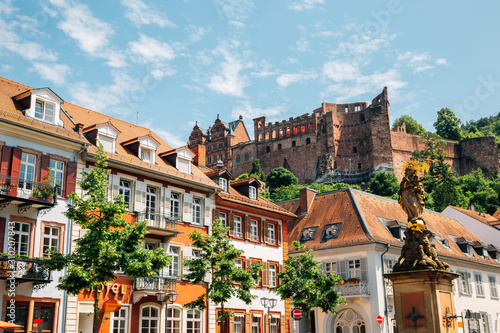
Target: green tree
(242,176)
(480,191)
(281,177)
(257,170)
(385,184)
(412,126)
(448,125)
(306,285)
(217,256)
(110,243)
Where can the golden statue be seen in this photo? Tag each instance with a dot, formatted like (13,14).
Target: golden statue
(411,194)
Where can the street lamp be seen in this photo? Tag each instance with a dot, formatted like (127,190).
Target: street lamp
(268,303)
(165,297)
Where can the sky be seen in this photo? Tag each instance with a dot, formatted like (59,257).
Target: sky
(178,62)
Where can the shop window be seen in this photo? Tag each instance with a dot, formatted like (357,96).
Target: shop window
(150,322)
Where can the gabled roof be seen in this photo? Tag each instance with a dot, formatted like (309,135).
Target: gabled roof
(95,126)
(481,217)
(246,181)
(218,172)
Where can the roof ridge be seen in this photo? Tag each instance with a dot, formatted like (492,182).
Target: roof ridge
(12,81)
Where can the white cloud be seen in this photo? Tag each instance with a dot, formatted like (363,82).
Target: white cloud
(441,61)
(53,72)
(228,81)
(302,45)
(417,61)
(236,11)
(150,50)
(140,13)
(341,70)
(192,88)
(250,112)
(286,79)
(172,139)
(306,5)
(196,33)
(6,7)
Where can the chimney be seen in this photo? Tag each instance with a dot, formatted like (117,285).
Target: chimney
(306,198)
(471,207)
(79,127)
(200,152)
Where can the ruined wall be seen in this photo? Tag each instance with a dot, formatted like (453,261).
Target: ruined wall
(479,153)
(238,164)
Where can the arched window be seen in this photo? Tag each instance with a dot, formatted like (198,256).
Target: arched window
(281,132)
(247,157)
(260,137)
(268,149)
(238,159)
(274,134)
(267,135)
(308,140)
(295,130)
(310,126)
(279,146)
(174,320)
(150,319)
(294,144)
(303,128)
(288,130)
(349,321)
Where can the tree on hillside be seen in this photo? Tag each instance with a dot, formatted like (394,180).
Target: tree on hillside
(242,176)
(385,184)
(110,243)
(480,191)
(216,264)
(281,177)
(307,285)
(293,191)
(412,126)
(257,170)
(448,125)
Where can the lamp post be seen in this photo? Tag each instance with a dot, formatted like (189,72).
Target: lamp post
(268,303)
(165,297)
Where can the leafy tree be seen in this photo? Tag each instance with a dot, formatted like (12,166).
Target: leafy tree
(110,243)
(242,176)
(281,177)
(385,184)
(217,256)
(306,285)
(448,125)
(480,191)
(412,126)
(293,191)
(257,170)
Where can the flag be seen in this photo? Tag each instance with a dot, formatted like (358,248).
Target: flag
(137,116)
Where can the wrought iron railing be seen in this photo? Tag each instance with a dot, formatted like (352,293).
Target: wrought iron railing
(22,188)
(156,283)
(349,289)
(158,220)
(24,269)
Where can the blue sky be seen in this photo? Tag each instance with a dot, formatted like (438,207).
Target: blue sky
(176,62)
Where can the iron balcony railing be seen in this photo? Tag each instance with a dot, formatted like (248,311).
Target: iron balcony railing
(27,189)
(350,289)
(156,283)
(158,220)
(24,270)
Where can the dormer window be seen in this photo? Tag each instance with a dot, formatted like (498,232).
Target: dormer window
(147,155)
(252,192)
(223,183)
(396,228)
(44,111)
(41,104)
(106,134)
(180,158)
(443,242)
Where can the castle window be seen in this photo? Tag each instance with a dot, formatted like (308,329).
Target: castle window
(225,144)
(281,132)
(268,149)
(279,146)
(238,159)
(287,130)
(308,141)
(303,128)
(295,130)
(357,108)
(318,114)
(359,166)
(209,160)
(361,117)
(294,144)
(247,157)
(354,150)
(346,109)
(209,148)
(220,145)
(310,126)
(274,134)
(267,135)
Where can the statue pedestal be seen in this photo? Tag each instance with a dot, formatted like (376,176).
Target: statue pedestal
(422,300)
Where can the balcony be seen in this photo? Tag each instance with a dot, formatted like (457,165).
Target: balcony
(150,286)
(358,290)
(22,193)
(24,270)
(159,223)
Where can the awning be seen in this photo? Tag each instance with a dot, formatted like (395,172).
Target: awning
(257,315)
(239,315)
(274,315)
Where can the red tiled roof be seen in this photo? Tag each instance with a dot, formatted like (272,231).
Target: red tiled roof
(481,217)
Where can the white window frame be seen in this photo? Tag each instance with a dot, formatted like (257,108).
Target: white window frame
(19,233)
(274,325)
(43,111)
(57,173)
(354,268)
(478,280)
(27,171)
(175,204)
(223,219)
(194,320)
(254,230)
(147,155)
(239,320)
(238,227)
(252,192)
(197,210)
(271,233)
(51,238)
(122,190)
(331,267)
(172,319)
(151,200)
(223,183)
(174,267)
(238,263)
(106,141)
(463,282)
(492,279)
(256,324)
(149,319)
(120,319)
(273,269)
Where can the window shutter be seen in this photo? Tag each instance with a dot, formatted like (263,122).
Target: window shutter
(208,211)
(341,267)
(115,184)
(140,196)
(248,265)
(265,275)
(215,214)
(187,254)
(44,167)
(281,269)
(248,323)
(266,232)
(278,233)
(16,162)
(283,324)
(3,222)
(6,158)
(469,283)
(230,219)
(166,200)
(262,223)
(364,273)
(188,207)
(490,323)
(71,169)
(231,324)
(247,227)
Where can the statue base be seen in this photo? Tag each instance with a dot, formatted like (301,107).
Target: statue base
(423,301)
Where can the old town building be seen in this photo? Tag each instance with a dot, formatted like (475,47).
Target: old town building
(343,142)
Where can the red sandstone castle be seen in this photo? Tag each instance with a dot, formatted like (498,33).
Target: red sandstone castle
(337,142)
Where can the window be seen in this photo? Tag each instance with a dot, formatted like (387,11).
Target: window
(238,159)
(223,184)
(281,132)
(357,108)
(303,128)
(359,166)
(308,141)
(271,233)
(223,219)
(478,279)
(346,109)
(254,230)
(331,267)
(295,129)
(174,320)
(238,230)
(239,321)
(120,321)
(209,160)
(174,204)
(220,145)
(252,192)
(354,150)
(27,173)
(247,157)
(388,264)
(108,143)
(50,239)
(255,324)
(310,126)
(57,175)
(147,155)
(238,263)
(493,286)
(151,203)
(44,111)
(287,130)
(294,144)
(464,282)
(272,275)
(21,238)
(361,117)
(274,325)
(268,149)
(354,267)
(149,320)
(197,210)
(193,322)
(124,190)
(173,269)
(279,146)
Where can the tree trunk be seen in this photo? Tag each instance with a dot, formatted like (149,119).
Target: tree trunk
(223,318)
(309,324)
(95,327)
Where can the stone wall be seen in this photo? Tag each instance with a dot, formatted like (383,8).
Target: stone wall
(479,153)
